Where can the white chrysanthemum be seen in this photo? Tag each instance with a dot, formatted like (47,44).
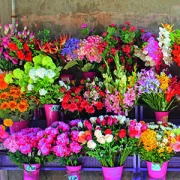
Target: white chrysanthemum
(42,92)
(50,73)
(41,72)
(30,87)
(32,74)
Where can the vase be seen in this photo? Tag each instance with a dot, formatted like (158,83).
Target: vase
(52,112)
(112,173)
(66,77)
(157,171)
(31,171)
(18,126)
(74,172)
(162,116)
(89,75)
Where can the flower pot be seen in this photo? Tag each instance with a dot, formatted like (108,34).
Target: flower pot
(162,116)
(89,75)
(73,172)
(52,113)
(112,173)
(156,171)
(18,125)
(66,77)
(31,172)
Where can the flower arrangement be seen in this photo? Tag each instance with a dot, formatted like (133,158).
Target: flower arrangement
(84,99)
(16,105)
(111,139)
(23,148)
(61,139)
(156,143)
(158,91)
(16,47)
(39,78)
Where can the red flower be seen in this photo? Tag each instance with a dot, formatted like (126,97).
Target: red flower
(12,46)
(109,121)
(66,98)
(26,47)
(88,125)
(90,109)
(132,28)
(28,56)
(65,105)
(126,49)
(103,122)
(20,55)
(108,131)
(73,107)
(99,105)
(122,133)
(132,133)
(84,104)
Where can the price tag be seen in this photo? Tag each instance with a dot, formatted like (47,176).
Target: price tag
(73,177)
(156,167)
(30,168)
(55,108)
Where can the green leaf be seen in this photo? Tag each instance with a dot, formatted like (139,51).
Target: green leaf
(70,64)
(87,67)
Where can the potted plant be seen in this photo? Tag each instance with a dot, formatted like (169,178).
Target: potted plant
(155,148)
(62,140)
(111,139)
(40,78)
(17,106)
(23,151)
(159,92)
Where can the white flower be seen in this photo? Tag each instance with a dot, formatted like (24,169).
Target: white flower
(101,117)
(32,74)
(80,124)
(91,144)
(165,141)
(101,140)
(93,119)
(30,87)
(108,138)
(41,72)
(158,136)
(50,73)
(61,83)
(121,119)
(42,92)
(98,133)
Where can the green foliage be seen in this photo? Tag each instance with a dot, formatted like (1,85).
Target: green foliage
(44,36)
(70,160)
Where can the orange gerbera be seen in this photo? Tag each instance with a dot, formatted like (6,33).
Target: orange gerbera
(2,126)
(8,122)
(4,105)
(3,84)
(12,105)
(22,106)
(3,95)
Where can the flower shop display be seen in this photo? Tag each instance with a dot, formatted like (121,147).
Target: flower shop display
(111,139)
(17,106)
(40,78)
(85,99)
(16,47)
(62,140)
(155,147)
(158,92)
(23,151)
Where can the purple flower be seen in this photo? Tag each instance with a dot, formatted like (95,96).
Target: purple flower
(83,26)
(146,36)
(75,147)
(74,122)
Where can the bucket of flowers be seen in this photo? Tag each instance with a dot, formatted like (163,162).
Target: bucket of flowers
(111,139)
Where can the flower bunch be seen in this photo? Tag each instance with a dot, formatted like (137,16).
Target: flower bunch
(16,105)
(111,139)
(16,47)
(39,78)
(86,98)
(156,143)
(158,91)
(23,147)
(61,139)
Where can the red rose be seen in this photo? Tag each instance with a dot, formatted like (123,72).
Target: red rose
(132,133)
(73,107)
(12,46)
(65,105)
(20,55)
(99,105)
(122,133)
(84,104)
(108,131)
(66,98)
(26,47)
(90,109)
(28,56)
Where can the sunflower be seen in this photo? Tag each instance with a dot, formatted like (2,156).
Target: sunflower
(22,106)
(8,122)
(4,105)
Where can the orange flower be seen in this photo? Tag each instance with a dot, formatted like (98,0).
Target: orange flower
(4,105)
(3,127)
(3,84)
(3,95)
(12,105)
(8,122)
(22,106)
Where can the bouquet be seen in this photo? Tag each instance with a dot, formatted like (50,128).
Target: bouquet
(16,47)
(61,139)
(84,99)
(16,105)
(111,139)
(156,143)
(23,148)
(39,78)
(158,91)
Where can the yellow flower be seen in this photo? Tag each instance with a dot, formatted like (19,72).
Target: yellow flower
(168,27)
(8,122)
(160,150)
(169,149)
